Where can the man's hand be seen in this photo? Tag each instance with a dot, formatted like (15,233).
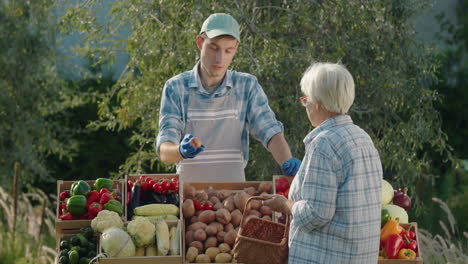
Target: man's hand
(187,147)
(291,166)
(278,203)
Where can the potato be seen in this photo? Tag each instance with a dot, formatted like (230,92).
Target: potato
(250,190)
(254,212)
(220,236)
(224,248)
(211,242)
(211,192)
(189,237)
(240,199)
(188,209)
(194,219)
(218,226)
(202,258)
(195,142)
(201,196)
(199,235)
(218,206)
(229,203)
(236,217)
(212,252)
(214,200)
(223,216)
(192,254)
(198,245)
(230,237)
(223,258)
(228,227)
(207,216)
(189,192)
(266,217)
(211,230)
(255,204)
(265,210)
(265,187)
(197,225)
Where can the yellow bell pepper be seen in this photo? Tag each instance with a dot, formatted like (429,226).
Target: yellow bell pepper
(390,228)
(406,254)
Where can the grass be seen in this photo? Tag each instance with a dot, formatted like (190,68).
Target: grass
(30,236)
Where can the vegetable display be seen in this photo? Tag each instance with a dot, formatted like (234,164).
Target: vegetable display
(78,248)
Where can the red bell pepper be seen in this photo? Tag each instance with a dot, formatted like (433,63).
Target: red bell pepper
(105,198)
(393,244)
(67,216)
(93,209)
(62,208)
(409,243)
(64,195)
(103,191)
(93,196)
(282,184)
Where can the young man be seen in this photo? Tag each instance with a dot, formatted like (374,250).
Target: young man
(220,107)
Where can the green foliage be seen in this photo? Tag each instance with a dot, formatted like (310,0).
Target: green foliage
(280,39)
(32,98)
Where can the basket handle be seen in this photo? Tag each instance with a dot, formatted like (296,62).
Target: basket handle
(247,207)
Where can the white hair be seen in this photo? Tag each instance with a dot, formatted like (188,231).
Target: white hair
(331,84)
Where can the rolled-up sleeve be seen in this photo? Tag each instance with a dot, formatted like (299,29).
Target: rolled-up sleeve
(262,121)
(171,124)
(319,190)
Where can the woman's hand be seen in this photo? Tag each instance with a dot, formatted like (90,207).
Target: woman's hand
(278,203)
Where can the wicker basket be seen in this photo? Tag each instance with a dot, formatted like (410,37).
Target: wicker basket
(261,241)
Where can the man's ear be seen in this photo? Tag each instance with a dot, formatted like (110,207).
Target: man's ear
(199,42)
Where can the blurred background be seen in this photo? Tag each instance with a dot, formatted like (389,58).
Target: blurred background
(80,86)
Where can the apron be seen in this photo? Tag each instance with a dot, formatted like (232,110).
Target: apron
(216,122)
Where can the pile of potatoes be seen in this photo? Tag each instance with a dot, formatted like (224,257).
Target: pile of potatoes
(210,234)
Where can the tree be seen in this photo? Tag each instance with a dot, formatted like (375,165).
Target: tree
(280,39)
(32,97)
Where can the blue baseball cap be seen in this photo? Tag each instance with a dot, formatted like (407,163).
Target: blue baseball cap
(221,24)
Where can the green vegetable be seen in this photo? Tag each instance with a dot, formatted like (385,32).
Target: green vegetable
(103,183)
(64,252)
(80,188)
(83,241)
(76,248)
(114,206)
(91,246)
(76,205)
(74,241)
(385,217)
(84,260)
(91,254)
(64,244)
(73,256)
(397,213)
(87,232)
(115,240)
(82,252)
(63,260)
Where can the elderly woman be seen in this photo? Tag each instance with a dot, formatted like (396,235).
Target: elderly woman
(334,200)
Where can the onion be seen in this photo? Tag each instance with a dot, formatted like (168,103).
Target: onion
(402,199)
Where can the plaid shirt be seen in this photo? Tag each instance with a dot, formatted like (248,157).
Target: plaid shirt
(337,194)
(255,115)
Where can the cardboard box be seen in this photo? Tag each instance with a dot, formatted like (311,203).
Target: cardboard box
(76,224)
(147,260)
(61,234)
(418,260)
(156,177)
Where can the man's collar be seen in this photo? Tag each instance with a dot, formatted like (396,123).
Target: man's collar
(195,81)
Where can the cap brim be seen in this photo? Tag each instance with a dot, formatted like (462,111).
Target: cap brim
(218,32)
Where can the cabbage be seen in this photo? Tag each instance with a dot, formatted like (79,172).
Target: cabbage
(387,192)
(397,213)
(114,239)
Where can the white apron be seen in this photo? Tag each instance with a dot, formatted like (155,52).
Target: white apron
(216,122)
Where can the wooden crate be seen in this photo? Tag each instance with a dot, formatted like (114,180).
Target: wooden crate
(228,186)
(76,224)
(168,176)
(60,235)
(147,260)
(418,260)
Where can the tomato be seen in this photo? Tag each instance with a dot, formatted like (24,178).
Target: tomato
(282,185)
(129,184)
(174,186)
(148,179)
(208,206)
(175,179)
(145,186)
(286,194)
(165,185)
(198,205)
(152,182)
(157,188)
(143,177)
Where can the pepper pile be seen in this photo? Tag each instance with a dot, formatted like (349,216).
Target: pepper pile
(82,203)
(397,242)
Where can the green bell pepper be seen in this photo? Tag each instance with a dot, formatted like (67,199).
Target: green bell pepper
(80,188)
(385,216)
(76,205)
(115,206)
(103,183)
(73,257)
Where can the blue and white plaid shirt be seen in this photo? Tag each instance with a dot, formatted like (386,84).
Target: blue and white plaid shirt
(255,115)
(337,194)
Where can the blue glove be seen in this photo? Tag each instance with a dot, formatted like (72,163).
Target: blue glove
(186,150)
(291,166)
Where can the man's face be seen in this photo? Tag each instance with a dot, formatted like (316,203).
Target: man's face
(216,54)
